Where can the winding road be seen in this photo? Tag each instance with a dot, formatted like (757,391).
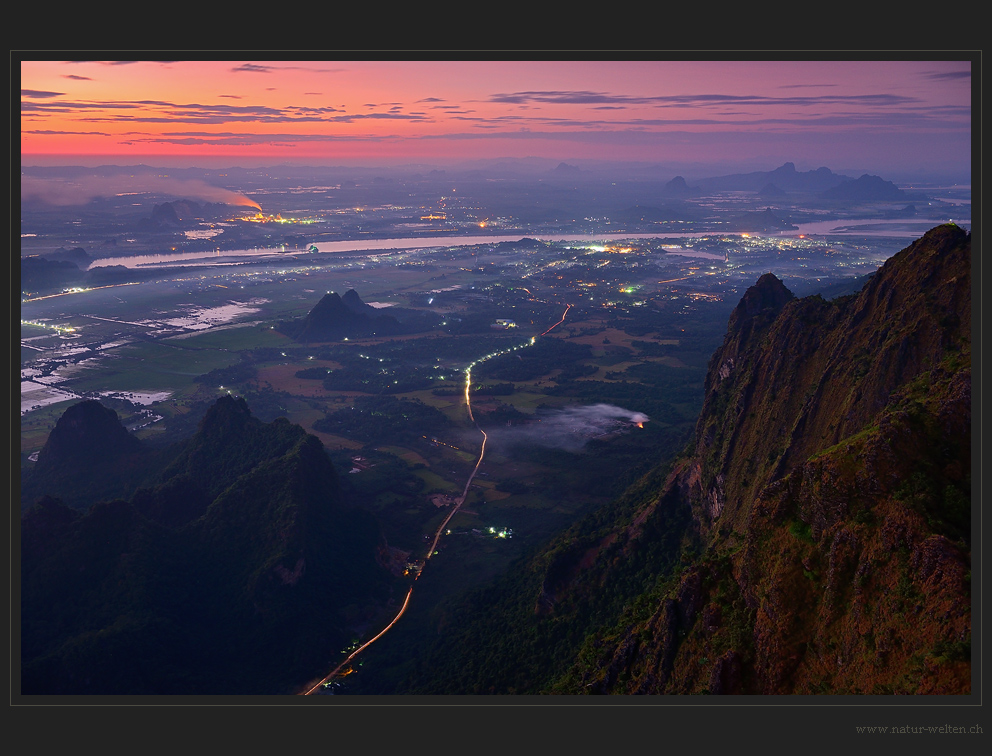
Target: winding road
(454,509)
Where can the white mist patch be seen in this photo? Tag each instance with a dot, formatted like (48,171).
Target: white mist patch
(35,395)
(210,317)
(144,398)
(569,428)
(204,233)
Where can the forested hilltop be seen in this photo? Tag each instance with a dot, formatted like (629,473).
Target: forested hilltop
(232,566)
(813,538)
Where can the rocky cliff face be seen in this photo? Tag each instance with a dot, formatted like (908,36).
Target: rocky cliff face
(829,485)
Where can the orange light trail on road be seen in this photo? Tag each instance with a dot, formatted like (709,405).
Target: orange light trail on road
(569,307)
(441,528)
(468,386)
(367,643)
(461,500)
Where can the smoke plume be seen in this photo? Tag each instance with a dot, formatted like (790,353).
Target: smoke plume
(81,190)
(569,428)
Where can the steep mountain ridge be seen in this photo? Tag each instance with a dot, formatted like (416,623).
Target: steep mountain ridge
(796,376)
(829,484)
(813,538)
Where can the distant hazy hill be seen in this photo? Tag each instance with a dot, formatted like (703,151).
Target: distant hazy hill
(77,255)
(865,188)
(184,213)
(240,571)
(678,187)
(785,177)
(564,169)
(39,274)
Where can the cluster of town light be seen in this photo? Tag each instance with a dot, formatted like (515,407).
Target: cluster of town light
(277,218)
(58,328)
(501,533)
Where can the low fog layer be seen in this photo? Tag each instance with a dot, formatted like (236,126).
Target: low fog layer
(569,428)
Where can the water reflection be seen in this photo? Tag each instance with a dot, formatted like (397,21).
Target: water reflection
(901,228)
(208,258)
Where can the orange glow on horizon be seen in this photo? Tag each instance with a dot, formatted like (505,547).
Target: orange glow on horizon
(198,112)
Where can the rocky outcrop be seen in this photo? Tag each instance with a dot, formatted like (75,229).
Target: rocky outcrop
(829,485)
(335,317)
(88,455)
(86,431)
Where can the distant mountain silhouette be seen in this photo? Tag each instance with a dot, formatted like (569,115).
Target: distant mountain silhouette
(76,255)
(866,187)
(785,177)
(39,274)
(353,302)
(336,317)
(678,187)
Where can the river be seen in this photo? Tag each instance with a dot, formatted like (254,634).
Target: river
(900,228)
(232,256)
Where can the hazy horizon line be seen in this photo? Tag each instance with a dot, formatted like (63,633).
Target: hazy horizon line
(534,163)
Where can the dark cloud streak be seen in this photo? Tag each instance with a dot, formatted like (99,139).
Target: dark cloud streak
(171,112)
(947,75)
(40,93)
(696,100)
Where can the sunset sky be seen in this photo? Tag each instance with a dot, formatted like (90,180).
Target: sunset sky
(881,117)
